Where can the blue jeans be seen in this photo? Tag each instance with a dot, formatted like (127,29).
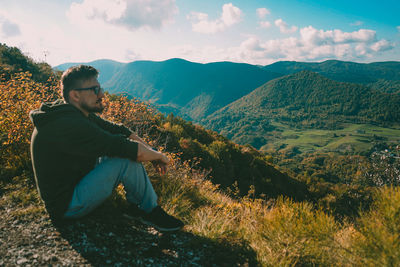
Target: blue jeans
(98,185)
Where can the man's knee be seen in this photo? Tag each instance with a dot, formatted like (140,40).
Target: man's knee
(118,161)
(136,164)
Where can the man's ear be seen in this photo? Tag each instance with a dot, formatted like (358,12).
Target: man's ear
(74,96)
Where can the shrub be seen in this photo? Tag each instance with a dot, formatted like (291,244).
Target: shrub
(377,241)
(296,234)
(18,96)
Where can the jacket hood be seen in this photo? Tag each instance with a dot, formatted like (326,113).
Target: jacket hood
(50,111)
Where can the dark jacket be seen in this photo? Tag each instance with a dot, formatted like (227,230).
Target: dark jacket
(65,146)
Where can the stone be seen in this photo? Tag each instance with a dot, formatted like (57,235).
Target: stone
(22,261)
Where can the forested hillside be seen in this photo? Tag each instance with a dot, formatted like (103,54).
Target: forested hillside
(194,91)
(342,71)
(13,61)
(304,100)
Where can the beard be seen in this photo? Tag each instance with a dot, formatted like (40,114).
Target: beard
(93,109)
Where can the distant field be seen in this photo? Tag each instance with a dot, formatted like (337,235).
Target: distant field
(353,138)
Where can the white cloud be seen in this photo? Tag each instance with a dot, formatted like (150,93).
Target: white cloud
(252,44)
(131,55)
(312,36)
(312,45)
(230,15)
(398,28)
(382,45)
(283,27)
(262,12)
(363,35)
(265,24)
(131,14)
(361,50)
(8,28)
(342,51)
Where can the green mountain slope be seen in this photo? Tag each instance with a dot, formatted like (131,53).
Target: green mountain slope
(386,86)
(383,76)
(194,91)
(12,61)
(191,90)
(342,71)
(303,100)
(108,68)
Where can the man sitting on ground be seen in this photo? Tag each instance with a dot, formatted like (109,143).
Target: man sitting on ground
(79,158)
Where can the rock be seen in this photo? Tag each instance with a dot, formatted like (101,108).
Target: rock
(22,261)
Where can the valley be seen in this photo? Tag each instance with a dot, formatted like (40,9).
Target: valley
(351,139)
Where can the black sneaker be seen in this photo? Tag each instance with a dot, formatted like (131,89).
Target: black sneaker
(133,212)
(162,221)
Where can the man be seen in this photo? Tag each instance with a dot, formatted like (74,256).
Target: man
(79,158)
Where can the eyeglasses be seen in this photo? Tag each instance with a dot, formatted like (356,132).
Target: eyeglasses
(96,89)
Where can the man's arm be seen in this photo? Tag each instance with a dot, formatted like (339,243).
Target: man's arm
(147,154)
(139,140)
(159,160)
(81,137)
(109,126)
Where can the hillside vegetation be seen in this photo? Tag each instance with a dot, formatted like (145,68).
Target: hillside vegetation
(13,61)
(193,91)
(342,71)
(225,226)
(304,100)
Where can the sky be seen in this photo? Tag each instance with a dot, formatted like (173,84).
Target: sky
(249,31)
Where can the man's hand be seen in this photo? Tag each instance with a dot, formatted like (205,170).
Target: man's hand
(158,159)
(160,167)
(146,153)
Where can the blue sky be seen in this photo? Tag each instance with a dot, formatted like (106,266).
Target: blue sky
(250,31)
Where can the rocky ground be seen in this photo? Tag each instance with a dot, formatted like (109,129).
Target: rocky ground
(105,238)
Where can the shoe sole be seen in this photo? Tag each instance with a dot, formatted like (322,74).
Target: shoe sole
(161,229)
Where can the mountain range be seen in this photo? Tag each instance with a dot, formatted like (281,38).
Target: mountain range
(190,90)
(237,98)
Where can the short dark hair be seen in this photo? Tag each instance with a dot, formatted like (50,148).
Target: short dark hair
(74,76)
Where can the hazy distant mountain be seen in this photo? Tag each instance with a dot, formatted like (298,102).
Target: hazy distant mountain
(304,100)
(342,71)
(107,68)
(194,91)
(191,90)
